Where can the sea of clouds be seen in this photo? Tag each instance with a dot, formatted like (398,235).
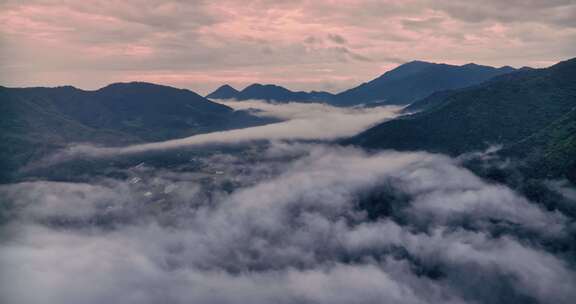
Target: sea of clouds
(283,222)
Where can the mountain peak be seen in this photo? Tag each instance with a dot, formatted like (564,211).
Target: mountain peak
(276,93)
(264,89)
(471,64)
(253,86)
(260,85)
(410,67)
(413,66)
(417,62)
(134,85)
(223,92)
(415,80)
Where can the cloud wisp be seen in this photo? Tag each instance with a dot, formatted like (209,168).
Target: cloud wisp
(302,121)
(292,227)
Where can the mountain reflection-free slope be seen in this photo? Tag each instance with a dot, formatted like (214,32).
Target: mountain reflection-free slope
(505,110)
(37,121)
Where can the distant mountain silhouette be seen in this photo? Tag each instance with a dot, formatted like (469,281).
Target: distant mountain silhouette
(415,80)
(403,85)
(273,93)
(36,120)
(526,109)
(223,92)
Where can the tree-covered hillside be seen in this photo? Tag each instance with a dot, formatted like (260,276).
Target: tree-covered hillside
(526,106)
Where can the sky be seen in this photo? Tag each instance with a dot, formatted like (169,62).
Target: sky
(302,45)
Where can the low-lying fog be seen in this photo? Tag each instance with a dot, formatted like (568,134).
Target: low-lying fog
(281,222)
(301,121)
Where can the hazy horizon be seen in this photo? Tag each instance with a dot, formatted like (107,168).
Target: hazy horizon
(241,87)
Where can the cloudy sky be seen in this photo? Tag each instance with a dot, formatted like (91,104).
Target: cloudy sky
(327,45)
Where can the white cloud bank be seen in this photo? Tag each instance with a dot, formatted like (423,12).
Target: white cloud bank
(290,234)
(303,121)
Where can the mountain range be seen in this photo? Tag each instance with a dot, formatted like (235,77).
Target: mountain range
(37,120)
(529,112)
(224,92)
(403,85)
(269,92)
(415,80)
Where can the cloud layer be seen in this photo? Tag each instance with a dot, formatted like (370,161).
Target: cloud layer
(292,227)
(302,121)
(328,45)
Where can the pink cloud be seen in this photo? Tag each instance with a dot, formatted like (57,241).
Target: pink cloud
(301,44)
